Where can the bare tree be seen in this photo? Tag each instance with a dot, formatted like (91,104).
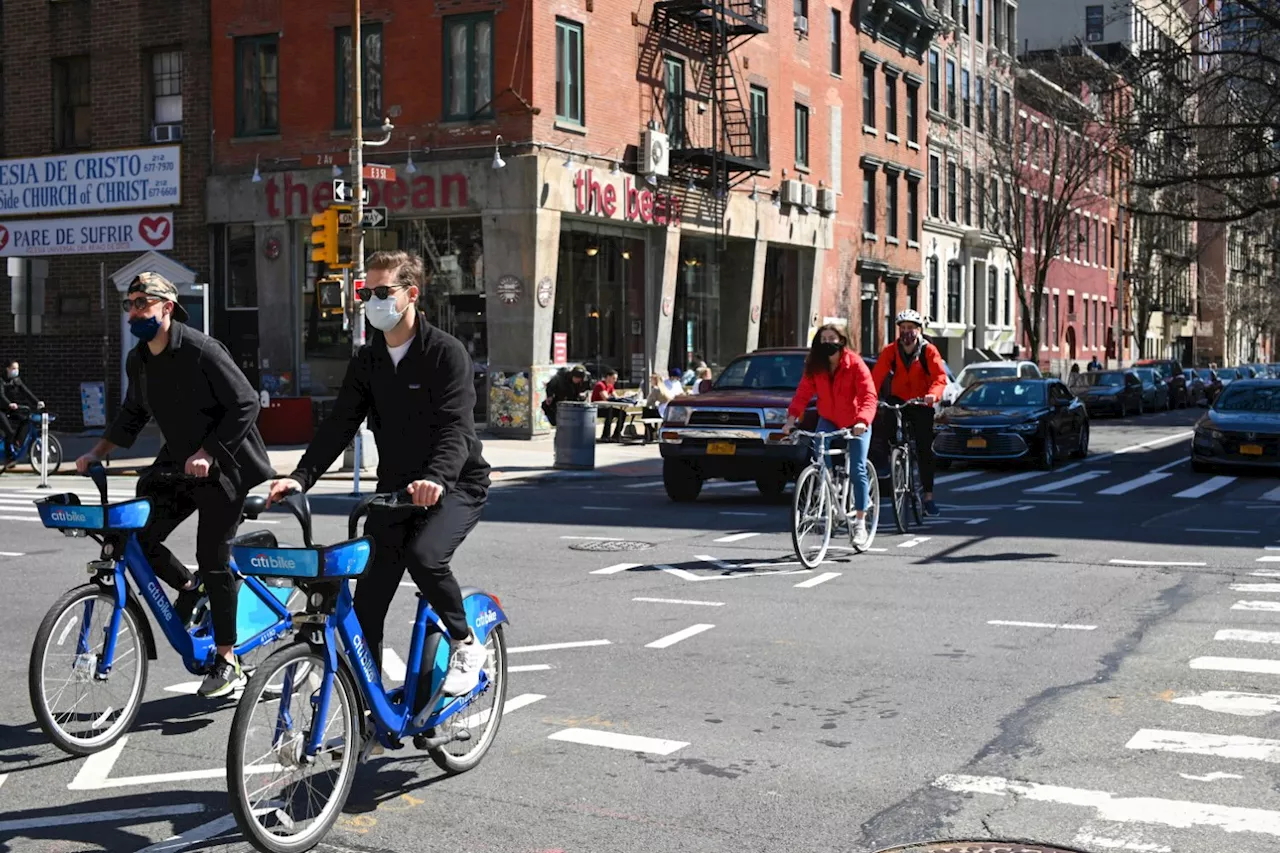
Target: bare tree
(1048,172)
(1162,256)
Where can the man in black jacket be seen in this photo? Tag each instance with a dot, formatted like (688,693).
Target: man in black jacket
(208,412)
(414,383)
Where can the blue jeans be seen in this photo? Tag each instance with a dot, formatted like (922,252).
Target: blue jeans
(857,449)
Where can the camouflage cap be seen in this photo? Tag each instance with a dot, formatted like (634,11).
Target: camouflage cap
(155,285)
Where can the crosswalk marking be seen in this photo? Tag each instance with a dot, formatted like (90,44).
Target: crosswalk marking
(1207,487)
(951,478)
(1257,606)
(1196,743)
(1258,666)
(1273,495)
(1237,635)
(1067,483)
(1002,481)
(1134,484)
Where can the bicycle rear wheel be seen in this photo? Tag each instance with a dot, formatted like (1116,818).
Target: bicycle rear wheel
(483,715)
(873,507)
(55,455)
(900,480)
(811,507)
(284,802)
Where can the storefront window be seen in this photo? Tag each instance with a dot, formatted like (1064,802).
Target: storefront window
(695,330)
(600,302)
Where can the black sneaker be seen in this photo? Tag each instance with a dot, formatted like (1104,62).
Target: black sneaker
(223,679)
(931,509)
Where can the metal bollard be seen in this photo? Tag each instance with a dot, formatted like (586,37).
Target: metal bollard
(359,460)
(44,450)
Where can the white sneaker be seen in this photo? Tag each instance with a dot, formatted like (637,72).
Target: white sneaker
(464,667)
(860,536)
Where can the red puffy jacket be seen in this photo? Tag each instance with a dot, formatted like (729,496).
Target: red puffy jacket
(845,398)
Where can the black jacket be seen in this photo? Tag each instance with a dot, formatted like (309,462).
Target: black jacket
(560,388)
(16,391)
(420,411)
(199,398)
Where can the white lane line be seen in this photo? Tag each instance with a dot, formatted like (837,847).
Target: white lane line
(613,570)
(1235,703)
(1170,465)
(531,667)
(1111,807)
(513,704)
(680,601)
(1236,635)
(1268,560)
(1065,626)
(1208,486)
(392,666)
(1152,443)
(736,537)
(1088,839)
(683,634)
(131,816)
(817,579)
(1257,606)
(744,514)
(715,561)
(1067,483)
(1265,573)
(1240,747)
(1273,495)
(914,541)
(1022,508)
(95,772)
(596,538)
(615,740)
(951,478)
(1220,530)
(1260,666)
(1153,563)
(1044,501)
(652,485)
(12,554)
(1002,481)
(1136,483)
(606,508)
(552,647)
(1210,777)
(195,835)
(976,521)
(19,518)
(1255,587)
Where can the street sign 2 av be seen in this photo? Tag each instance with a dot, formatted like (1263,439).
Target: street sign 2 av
(344,192)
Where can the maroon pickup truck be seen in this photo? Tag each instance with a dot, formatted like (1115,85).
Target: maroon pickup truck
(734,431)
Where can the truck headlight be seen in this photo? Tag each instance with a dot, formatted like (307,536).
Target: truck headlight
(677,415)
(775,416)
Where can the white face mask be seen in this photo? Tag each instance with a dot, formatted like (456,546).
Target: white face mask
(382,313)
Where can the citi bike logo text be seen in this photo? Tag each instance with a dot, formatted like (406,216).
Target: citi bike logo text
(161,600)
(366,660)
(486,618)
(262,561)
(68,515)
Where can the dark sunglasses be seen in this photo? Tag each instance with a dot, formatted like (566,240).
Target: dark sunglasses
(382,292)
(139,302)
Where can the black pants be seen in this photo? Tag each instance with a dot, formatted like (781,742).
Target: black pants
(219,519)
(610,414)
(424,544)
(11,432)
(918,423)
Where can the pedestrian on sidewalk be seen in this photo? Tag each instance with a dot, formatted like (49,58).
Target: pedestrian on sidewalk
(568,385)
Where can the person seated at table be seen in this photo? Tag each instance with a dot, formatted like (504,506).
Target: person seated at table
(604,392)
(702,383)
(568,385)
(661,393)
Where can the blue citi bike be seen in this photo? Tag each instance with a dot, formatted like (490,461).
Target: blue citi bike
(318,707)
(28,446)
(88,669)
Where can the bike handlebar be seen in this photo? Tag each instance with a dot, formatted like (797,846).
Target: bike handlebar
(915,401)
(381,500)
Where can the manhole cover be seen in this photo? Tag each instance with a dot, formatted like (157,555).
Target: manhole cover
(979,847)
(611,545)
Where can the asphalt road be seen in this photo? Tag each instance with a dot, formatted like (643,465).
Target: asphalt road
(1084,657)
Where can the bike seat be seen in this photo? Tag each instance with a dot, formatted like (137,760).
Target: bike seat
(254,506)
(255,539)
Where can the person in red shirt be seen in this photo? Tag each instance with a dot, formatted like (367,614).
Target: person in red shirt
(602,392)
(915,369)
(839,378)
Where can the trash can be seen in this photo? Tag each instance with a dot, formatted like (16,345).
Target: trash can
(576,435)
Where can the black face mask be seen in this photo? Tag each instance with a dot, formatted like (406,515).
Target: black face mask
(827,349)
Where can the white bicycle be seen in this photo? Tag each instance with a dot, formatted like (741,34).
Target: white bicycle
(823,497)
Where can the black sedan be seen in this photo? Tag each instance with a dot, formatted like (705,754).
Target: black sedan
(1242,429)
(1117,392)
(1013,419)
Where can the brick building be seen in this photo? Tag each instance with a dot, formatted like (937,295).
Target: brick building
(103,158)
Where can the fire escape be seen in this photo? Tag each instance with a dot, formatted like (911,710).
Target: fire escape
(721,149)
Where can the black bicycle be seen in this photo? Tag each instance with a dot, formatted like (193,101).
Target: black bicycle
(904,468)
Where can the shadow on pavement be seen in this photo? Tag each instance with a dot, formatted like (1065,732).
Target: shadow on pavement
(72,823)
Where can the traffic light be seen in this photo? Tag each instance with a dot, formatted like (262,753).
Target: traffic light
(324,237)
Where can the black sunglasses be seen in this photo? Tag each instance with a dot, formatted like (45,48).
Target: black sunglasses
(382,292)
(139,302)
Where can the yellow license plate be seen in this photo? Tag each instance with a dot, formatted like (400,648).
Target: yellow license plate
(976,442)
(1251,449)
(721,448)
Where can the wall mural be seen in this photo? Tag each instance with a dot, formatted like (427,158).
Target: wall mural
(510,400)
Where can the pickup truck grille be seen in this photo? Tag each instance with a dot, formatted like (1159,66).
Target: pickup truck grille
(725,418)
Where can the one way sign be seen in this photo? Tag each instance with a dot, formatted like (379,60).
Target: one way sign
(343,192)
(374,217)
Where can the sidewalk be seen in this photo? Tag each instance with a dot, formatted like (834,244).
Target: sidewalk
(511,459)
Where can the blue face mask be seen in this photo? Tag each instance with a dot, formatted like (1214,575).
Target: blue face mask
(145,329)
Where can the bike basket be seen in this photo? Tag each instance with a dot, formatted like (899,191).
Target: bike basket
(344,560)
(65,512)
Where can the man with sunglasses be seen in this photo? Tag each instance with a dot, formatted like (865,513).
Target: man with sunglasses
(207,412)
(414,383)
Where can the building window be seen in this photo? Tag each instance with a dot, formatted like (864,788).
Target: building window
(674,112)
(913,210)
(953,293)
(982,201)
(951,89)
(964,92)
(996,41)
(760,123)
(934,304)
(951,191)
(868,95)
(935,203)
(371,79)
(995,110)
(242,267)
(1011,30)
(980,100)
(967,199)
(1057,321)
(891,204)
(978,21)
(913,114)
(1008,298)
(868,201)
(802,136)
(166,87)
(993,295)
(257,85)
(569,77)
(935,86)
(994,198)
(800,8)
(1007,120)
(1084,324)
(835,41)
(890,105)
(964,15)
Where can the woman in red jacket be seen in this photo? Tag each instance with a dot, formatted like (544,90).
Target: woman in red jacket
(846,399)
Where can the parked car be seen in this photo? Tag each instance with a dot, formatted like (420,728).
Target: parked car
(983,370)
(1013,419)
(1172,373)
(1241,429)
(1156,393)
(1116,392)
(1212,384)
(734,431)
(1195,386)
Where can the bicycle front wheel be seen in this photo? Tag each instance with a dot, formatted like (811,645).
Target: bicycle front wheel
(873,507)
(900,479)
(811,518)
(283,800)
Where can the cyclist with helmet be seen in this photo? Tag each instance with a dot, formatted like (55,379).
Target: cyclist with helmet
(914,368)
(846,394)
